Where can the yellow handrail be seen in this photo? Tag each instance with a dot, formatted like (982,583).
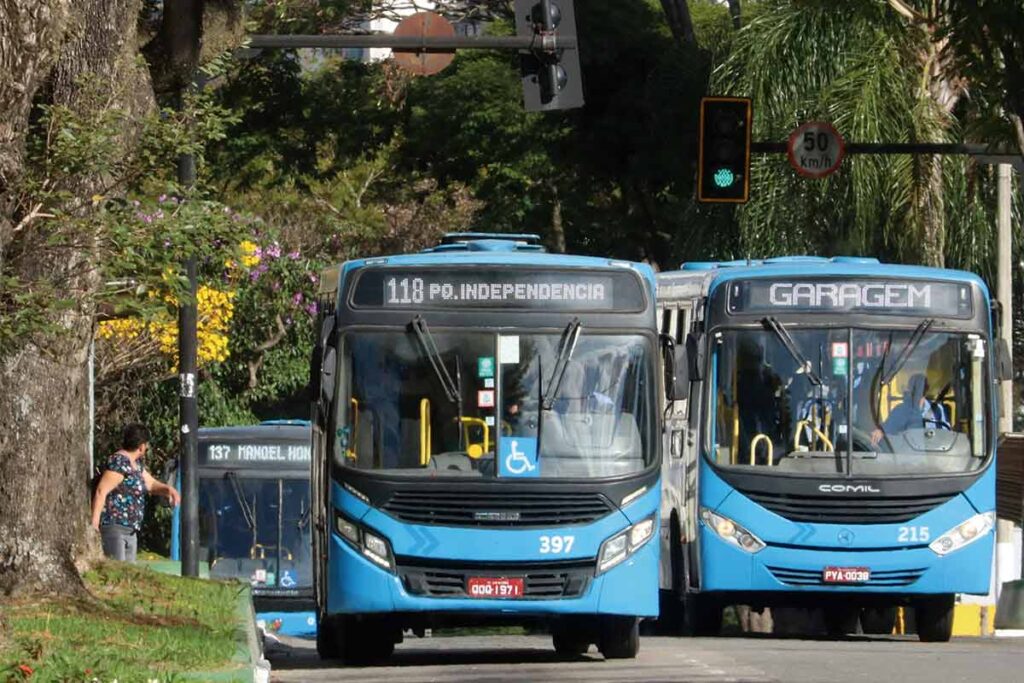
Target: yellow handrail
(753,447)
(815,432)
(467,422)
(350,453)
(424,432)
(734,455)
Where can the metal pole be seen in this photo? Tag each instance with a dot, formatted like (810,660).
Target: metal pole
(1004,290)
(1005,555)
(187,405)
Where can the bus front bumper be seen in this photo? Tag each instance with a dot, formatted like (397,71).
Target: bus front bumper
(358,586)
(894,571)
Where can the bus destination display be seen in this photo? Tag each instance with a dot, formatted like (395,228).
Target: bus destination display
(253,454)
(890,297)
(498,288)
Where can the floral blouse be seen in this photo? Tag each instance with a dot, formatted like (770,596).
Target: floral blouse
(127,502)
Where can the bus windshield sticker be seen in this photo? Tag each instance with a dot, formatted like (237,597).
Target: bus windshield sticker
(887,297)
(516,289)
(508,349)
(518,457)
(485,367)
(485,398)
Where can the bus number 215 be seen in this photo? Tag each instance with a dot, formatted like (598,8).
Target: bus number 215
(913,534)
(556,545)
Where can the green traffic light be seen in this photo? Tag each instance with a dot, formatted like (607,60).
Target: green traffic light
(724,177)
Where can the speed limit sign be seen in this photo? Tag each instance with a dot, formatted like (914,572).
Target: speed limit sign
(815,149)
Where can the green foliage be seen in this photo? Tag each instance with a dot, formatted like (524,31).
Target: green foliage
(141,626)
(83,193)
(863,70)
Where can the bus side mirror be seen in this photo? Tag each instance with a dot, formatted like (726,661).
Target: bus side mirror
(316,361)
(695,349)
(327,374)
(1004,362)
(677,370)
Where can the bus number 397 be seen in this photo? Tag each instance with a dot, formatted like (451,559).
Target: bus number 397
(556,545)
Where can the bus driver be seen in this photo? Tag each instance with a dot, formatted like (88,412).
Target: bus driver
(915,412)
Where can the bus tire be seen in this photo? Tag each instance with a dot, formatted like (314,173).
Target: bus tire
(368,642)
(841,620)
(328,637)
(934,617)
(878,620)
(620,637)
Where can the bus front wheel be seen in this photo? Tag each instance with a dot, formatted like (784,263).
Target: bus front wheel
(328,637)
(934,617)
(620,637)
(367,641)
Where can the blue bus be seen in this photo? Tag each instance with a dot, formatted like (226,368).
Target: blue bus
(254,518)
(836,446)
(485,446)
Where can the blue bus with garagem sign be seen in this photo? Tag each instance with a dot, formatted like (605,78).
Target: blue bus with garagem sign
(836,446)
(485,446)
(254,518)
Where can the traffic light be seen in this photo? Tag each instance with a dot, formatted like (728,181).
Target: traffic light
(723,173)
(551,77)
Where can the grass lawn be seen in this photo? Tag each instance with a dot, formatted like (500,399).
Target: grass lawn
(142,626)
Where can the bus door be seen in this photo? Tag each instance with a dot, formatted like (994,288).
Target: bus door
(675,318)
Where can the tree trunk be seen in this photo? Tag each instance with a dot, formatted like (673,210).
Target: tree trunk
(929,205)
(30,36)
(43,383)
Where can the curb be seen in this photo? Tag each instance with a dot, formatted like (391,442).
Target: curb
(252,666)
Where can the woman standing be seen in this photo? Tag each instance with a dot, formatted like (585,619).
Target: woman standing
(120,500)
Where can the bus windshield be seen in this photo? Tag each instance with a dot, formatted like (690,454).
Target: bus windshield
(256,529)
(469,403)
(781,400)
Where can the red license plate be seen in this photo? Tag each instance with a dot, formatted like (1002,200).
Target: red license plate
(846,574)
(494,587)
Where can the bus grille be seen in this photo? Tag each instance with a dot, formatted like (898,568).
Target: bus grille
(837,510)
(439,579)
(879,579)
(496,508)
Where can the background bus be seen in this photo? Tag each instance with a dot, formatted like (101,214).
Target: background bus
(254,518)
(838,442)
(486,446)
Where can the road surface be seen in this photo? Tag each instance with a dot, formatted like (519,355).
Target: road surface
(752,658)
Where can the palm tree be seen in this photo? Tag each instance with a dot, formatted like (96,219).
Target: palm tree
(876,71)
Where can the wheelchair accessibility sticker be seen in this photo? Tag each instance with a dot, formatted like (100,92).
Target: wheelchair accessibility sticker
(518,457)
(287,579)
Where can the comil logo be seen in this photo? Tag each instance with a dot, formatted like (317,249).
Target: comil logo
(848,488)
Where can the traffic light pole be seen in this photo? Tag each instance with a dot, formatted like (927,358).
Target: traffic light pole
(971,149)
(546,42)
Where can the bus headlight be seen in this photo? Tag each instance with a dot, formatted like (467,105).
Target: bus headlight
(964,534)
(731,532)
(376,548)
(625,543)
(347,530)
(369,544)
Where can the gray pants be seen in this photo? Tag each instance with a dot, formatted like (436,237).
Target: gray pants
(119,542)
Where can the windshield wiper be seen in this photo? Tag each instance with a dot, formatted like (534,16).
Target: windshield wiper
(247,512)
(787,341)
(915,338)
(566,346)
(451,387)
